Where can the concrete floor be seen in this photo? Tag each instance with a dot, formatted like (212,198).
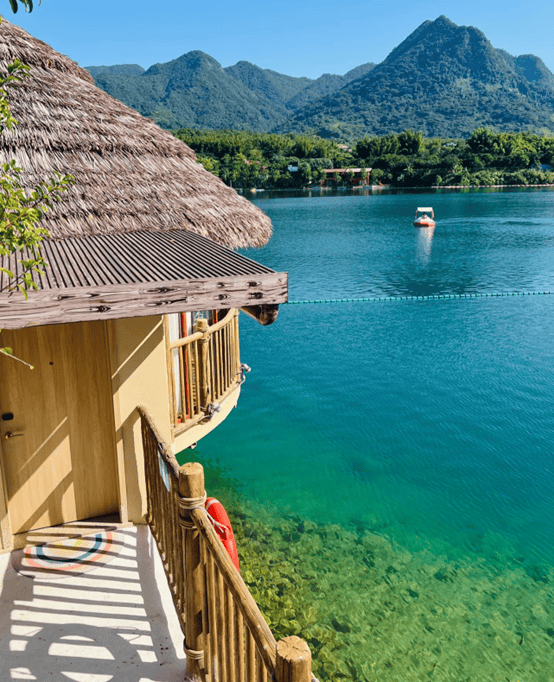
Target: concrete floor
(116,622)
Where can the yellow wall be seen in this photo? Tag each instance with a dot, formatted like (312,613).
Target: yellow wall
(138,368)
(5,528)
(139,377)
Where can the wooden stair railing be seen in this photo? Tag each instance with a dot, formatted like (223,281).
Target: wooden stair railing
(226,637)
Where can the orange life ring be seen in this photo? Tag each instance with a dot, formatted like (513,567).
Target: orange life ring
(218,516)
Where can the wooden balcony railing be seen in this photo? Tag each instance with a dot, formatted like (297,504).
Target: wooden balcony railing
(226,637)
(204,369)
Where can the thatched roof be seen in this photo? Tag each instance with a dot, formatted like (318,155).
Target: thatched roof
(129,174)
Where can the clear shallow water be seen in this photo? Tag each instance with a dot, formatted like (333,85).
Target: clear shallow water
(427,426)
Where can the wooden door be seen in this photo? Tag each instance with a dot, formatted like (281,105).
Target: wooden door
(63,465)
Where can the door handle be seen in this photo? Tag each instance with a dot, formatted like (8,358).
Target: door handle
(10,434)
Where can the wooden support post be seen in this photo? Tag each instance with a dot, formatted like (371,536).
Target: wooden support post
(204,364)
(294,660)
(191,487)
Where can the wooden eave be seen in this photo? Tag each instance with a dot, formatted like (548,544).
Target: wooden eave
(136,275)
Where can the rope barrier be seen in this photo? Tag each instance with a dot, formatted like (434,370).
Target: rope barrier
(434,297)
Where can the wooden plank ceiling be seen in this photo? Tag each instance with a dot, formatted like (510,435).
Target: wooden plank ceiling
(133,275)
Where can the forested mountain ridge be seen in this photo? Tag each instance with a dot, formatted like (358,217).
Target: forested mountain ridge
(243,96)
(123,69)
(275,86)
(443,80)
(193,90)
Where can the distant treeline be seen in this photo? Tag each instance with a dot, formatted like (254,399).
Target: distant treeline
(263,160)
(247,159)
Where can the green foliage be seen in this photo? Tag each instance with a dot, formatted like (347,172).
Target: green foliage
(28,4)
(410,142)
(20,212)
(194,90)
(121,69)
(16,72)
(487,157)
(246,159)
(20,215)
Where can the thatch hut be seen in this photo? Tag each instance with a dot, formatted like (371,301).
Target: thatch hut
(138,304)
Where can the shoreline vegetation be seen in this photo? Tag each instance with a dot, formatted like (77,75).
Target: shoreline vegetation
(248,160)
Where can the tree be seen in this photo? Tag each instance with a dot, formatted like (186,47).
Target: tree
(485,141)
(411,142)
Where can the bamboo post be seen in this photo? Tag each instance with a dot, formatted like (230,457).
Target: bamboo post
(204,367)
(191,491)
(294,660)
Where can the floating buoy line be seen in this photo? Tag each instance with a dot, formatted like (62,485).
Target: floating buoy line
(435,297)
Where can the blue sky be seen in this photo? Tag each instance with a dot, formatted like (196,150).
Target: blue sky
(295,37)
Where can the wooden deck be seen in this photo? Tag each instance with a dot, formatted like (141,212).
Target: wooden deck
(115,622)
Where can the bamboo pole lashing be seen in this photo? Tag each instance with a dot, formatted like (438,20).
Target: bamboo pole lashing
(197,335)
(191,487)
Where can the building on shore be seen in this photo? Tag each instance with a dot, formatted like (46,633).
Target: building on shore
(352,177)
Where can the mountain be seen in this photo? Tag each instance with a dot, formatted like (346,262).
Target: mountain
(123,69)
(277,87)
(287,92)
(195,91)
(326,85)
(443,80)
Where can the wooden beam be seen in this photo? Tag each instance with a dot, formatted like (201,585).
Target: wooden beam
(116,301)
(265,314)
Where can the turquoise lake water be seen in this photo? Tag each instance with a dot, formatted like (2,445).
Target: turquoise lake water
(421,432)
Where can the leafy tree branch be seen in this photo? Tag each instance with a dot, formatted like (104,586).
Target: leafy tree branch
(28,4)
(20,210)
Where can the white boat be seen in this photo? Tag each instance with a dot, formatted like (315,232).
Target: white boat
(424,217)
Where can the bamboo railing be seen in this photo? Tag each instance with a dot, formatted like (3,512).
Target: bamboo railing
(226,637)
(206,371)
(162,493)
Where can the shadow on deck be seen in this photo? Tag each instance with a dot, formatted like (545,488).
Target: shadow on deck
(115,621)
